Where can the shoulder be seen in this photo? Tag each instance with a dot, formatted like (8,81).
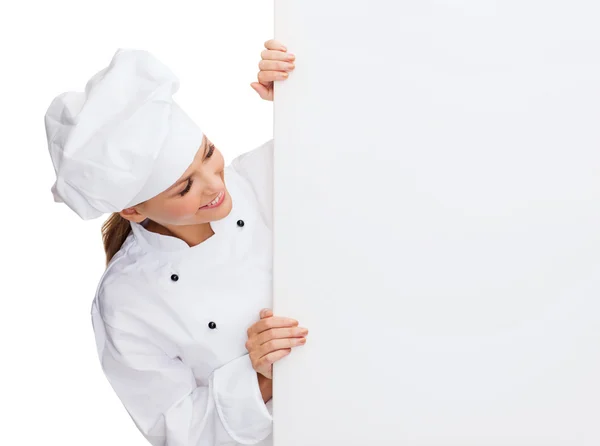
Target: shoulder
(256,167)
(120,287)
(125,303)
(257,160)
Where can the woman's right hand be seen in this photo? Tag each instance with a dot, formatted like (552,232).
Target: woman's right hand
(272,338)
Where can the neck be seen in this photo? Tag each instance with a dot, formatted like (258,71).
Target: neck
(191,234)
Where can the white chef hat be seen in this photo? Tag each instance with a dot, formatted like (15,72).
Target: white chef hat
(123,140)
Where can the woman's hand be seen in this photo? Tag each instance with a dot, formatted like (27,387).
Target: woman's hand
(275,64)
(272,338)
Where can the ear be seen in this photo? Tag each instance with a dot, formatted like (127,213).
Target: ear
(132,214)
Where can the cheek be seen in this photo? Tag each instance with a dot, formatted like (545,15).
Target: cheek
(186,206)
(181,208)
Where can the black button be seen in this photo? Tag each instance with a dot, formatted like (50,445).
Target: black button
(240,223)
(174,277)
(212,325)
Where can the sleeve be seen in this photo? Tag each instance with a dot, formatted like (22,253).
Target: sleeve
(166,404)
(257,167)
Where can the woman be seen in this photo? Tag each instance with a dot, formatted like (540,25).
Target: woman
(177,316)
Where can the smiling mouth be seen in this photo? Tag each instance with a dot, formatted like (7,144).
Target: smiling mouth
(217,201)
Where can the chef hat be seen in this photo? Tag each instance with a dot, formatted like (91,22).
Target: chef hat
(123,140)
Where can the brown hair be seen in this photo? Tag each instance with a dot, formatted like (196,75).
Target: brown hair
(114,232)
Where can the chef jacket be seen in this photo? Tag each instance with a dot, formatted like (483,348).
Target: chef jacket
(170,320)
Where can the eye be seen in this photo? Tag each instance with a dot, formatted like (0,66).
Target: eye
(187,188)
(210,150)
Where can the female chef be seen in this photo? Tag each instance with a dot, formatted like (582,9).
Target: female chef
(177,316)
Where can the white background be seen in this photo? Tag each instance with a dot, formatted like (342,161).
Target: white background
(52,387)
(437,224)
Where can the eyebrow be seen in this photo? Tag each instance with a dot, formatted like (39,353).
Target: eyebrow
(183,180)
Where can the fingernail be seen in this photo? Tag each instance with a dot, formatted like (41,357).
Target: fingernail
(291,56)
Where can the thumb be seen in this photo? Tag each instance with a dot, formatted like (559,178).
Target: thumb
(260,89)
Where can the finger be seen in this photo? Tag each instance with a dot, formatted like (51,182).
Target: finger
(266,312)
(262,314)
(271,322)
(276,55)
(269,76)
(278,333)
(275,65)
(273,44)
(267,322)
(279,344)
(268,360)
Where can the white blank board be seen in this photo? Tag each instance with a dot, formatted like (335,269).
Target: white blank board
(437,223)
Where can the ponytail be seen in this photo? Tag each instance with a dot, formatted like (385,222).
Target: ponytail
(114,232)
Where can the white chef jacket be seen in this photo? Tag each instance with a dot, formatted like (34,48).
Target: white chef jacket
(182,382)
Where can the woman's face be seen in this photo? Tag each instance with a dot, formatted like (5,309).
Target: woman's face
(189,201)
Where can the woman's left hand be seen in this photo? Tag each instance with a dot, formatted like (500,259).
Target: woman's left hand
(275,64)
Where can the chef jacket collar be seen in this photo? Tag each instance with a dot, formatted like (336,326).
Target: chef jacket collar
(224,229)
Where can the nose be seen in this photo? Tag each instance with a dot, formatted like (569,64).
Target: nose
(210,183)
(213,186)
